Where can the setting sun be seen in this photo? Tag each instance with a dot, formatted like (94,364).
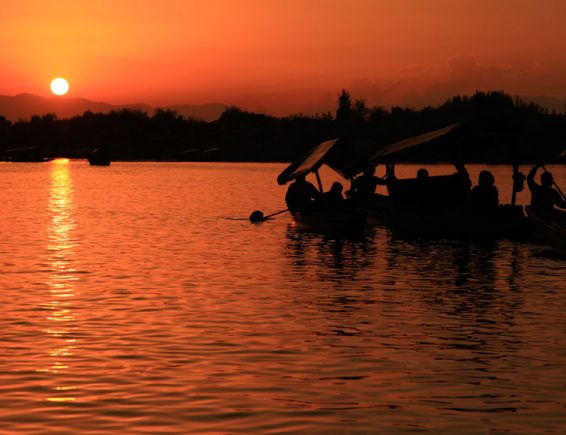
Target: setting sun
(59,86)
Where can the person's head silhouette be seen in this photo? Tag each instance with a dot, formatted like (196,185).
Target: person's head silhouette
(422,174)
(546,179)
(486,178)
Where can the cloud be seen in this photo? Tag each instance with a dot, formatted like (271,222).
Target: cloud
(412,86)
(420,86)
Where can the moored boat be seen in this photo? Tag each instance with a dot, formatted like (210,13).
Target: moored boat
(25,155)
(98,158)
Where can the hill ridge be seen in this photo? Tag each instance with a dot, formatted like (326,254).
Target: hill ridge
(25,105)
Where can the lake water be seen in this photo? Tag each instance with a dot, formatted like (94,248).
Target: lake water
(137,298)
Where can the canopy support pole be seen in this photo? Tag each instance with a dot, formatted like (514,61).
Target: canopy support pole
(318,181)
(518,183)
(514,193)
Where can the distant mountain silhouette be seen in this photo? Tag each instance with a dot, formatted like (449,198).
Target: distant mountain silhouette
(23,106)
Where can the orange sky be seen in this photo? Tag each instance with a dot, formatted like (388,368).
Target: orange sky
(283,56)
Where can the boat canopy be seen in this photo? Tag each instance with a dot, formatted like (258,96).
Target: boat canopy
(310,162)
(348,157)
(412,142)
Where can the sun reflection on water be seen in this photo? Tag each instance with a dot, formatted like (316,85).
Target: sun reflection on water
(60,258)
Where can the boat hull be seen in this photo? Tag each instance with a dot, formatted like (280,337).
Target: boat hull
(507,222)
(550,226)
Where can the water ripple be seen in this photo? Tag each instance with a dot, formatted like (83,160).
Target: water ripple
(143,310)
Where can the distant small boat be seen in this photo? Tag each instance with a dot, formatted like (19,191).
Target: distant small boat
(98,158)
(25,155)
(550,225)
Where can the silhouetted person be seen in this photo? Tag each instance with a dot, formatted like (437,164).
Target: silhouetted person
(422,174)
(543,195)
(461,184)
(333,198)
(462,178)
(301,195)
(485,197)
(363,187)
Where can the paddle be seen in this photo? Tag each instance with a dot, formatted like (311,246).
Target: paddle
(257,215)
(555,185)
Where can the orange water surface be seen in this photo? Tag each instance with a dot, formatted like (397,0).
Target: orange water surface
(137,298)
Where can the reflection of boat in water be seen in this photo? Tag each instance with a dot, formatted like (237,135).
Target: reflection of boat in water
(550,225)
(98,158)
(348,220)
(345,218)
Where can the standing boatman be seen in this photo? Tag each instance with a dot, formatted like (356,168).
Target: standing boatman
(543,195)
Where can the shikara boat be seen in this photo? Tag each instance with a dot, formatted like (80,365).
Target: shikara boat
(441,208)
(550,225)
(348,218)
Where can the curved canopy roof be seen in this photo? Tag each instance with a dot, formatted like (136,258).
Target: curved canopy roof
(349,158)
(310,162)
(412,142)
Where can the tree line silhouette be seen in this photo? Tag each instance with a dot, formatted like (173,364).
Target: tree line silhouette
(497,128)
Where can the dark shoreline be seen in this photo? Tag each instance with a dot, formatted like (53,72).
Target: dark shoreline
(497,129)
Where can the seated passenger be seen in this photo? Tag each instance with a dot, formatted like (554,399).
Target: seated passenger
(462,179)
(485,197)
(363,187)
(543,195)
(422,174)
(461,186)
(301,195)
(333,198)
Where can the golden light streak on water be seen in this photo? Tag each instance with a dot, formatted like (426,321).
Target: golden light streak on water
(60,283)
(61,399)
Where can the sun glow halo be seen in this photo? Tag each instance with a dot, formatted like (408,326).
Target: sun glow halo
(59,86)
